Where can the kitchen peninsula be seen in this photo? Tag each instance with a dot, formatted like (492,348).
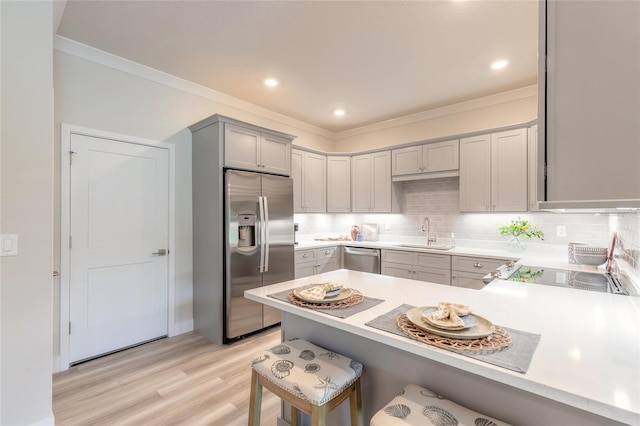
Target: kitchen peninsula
(585,369)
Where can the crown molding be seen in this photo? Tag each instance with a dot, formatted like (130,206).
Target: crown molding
(499,98)
(101,57)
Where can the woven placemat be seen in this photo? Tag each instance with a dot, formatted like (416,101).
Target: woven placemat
(355,298)
(496,341)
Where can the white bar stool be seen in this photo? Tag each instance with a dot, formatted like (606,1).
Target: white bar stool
(417,406)
(311,379)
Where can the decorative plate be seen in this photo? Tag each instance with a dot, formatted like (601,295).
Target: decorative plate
(330,297)
(483,328)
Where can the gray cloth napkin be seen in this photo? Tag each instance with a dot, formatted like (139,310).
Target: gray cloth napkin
(367,303)
(516,357)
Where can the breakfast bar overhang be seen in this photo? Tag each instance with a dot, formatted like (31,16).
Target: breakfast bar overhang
(584,370)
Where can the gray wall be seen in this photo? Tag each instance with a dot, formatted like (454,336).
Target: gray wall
(26,202)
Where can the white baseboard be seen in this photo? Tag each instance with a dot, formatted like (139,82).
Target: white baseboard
(55,367)
(182,327)
(47,421)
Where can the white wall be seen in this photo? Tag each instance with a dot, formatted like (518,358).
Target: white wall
(26,201)
(93,95)
(509,108)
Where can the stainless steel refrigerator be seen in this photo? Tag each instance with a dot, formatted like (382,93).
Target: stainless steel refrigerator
(259,246)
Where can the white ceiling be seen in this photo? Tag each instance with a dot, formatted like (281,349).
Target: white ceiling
(378,60)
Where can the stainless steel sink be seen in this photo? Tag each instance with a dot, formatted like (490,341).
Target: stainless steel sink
(424,246)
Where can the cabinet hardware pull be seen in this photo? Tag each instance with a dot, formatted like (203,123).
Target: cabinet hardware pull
(477,265)
(305,255)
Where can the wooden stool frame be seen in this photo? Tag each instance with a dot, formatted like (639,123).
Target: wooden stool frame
(318,413)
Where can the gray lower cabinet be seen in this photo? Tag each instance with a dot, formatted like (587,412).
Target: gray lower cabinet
(435,268)
(468,271)
(316,261)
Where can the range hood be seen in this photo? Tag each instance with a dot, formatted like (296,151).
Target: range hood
(590,206)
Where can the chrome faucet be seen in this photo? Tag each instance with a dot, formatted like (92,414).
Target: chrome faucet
(430,239)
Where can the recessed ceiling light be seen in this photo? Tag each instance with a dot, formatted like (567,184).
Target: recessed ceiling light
(499,64)
(271,82)
(338,112)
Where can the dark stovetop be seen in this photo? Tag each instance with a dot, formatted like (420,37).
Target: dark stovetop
(599,281)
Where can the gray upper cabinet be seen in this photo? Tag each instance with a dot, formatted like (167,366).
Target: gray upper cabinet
(589,99)
(493,172)
(371,183)
(309,173)
(338,184)
(432,160)
(248,148)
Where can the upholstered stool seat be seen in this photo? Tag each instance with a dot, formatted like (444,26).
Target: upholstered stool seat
(418,406)
(311,379)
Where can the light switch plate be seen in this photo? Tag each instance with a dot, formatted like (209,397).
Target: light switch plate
(9,245)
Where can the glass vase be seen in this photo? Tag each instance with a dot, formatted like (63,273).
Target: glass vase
(515,244)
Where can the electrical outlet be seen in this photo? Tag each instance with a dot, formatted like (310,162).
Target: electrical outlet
(387,226)
(561,231)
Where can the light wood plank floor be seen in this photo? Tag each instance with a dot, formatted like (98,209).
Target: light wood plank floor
(182,380)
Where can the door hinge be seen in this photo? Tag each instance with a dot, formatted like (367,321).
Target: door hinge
(70,241)
(71,157)
(69,327)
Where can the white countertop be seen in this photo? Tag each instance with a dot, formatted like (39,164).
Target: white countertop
(588,356)
(549,256)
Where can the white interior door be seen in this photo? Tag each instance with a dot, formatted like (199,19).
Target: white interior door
(119,208)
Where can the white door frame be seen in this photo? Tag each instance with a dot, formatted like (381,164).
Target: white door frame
(66,131)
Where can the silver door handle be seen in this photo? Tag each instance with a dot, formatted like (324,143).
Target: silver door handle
(266,233)
(262,233)
(161,252)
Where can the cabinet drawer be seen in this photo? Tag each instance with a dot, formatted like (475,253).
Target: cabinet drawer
(396,256)
(441,261)
(325,253)
(305,256)
(475,264)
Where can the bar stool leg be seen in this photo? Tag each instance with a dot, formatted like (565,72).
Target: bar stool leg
(294,416)
(255,400)
(355,405)
(318,415)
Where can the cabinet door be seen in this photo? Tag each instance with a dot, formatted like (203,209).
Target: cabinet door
(475,174)
(305,269)
(440,156)
(241,148)
(338,184)
(396,270)
(381,179)
(314,178)
(327,265)
(467,280)
(275,155)
(298,177)
(432,275)
(509,171)
(532,157)
(406,161)
(592,102)
(361,183)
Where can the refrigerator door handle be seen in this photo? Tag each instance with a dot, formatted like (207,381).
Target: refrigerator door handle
(262,224)
(266,233)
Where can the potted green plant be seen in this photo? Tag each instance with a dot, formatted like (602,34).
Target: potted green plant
(517,230)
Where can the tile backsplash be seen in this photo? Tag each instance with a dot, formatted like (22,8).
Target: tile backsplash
(438,199)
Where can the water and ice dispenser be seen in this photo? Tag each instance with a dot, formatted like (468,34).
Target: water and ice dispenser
(246,230)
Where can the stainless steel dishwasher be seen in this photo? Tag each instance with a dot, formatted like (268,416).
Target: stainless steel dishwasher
(362,259)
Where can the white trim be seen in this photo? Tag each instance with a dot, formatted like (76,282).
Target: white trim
(66,131)
(98,56)
(499,98)
(47,421)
